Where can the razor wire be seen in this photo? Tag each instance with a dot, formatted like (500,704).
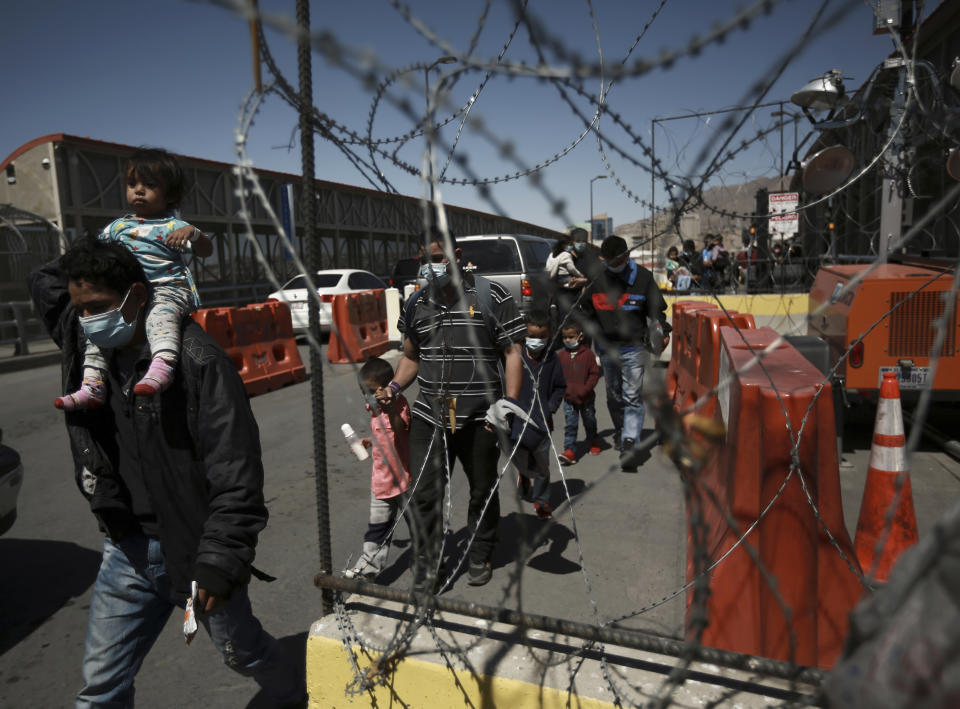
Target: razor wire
(570,67)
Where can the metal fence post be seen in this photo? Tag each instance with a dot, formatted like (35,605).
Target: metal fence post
(308,209)
(21,347)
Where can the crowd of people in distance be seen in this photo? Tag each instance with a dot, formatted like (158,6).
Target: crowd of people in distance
(709,269)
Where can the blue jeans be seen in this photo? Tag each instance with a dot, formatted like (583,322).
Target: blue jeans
(572,413)
(623,374)
(132,600)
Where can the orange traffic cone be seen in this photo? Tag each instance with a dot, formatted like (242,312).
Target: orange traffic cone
(887,470)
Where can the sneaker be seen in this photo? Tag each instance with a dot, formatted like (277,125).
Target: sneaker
(479,573)
(568,457)
(360,572)
(543,510)
(628,456)
(595,448)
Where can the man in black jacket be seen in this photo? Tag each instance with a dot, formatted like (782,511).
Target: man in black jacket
(624,304)
(175,482)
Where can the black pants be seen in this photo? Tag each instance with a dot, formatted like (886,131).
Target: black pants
(478,453)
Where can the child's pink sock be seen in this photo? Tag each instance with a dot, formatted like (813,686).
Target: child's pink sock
(158,378)
(90,395)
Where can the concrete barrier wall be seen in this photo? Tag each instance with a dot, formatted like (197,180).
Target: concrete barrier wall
(501,668)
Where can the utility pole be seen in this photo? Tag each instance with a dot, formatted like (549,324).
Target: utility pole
(891,197)
(653,182)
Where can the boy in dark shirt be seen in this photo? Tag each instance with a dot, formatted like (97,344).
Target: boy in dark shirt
(540,395)
(581,373)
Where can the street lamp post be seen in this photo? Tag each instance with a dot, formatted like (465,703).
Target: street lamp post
(592,180)
(653,154)
(428,123)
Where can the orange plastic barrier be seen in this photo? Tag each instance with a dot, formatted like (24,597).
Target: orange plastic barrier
(680,372)
(816,585)
(259,340)
(361,327)
(707,359)
(218,323)
(692,371)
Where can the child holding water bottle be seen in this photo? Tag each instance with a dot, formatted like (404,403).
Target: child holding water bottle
(390,474)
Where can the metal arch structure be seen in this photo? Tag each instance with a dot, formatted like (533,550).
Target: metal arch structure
(27,240)
(76,183)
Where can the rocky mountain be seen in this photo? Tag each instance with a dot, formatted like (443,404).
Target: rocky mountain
(739,199)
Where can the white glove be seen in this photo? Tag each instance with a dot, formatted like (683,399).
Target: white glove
(498,412)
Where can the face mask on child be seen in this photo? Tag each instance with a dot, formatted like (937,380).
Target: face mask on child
(571,344)
(536,344)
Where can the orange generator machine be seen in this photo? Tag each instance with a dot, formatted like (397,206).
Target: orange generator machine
(887,322)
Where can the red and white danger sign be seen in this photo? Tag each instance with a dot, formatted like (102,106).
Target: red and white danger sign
(784,220)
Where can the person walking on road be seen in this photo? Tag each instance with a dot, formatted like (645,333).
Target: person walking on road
(456,330)
(581,374)
(540,396)
(175,481)
(389,446)
(625,304)
(565,278)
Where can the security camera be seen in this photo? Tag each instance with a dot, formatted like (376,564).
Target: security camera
(46,163)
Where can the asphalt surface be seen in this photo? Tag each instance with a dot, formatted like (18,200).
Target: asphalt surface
(618,548)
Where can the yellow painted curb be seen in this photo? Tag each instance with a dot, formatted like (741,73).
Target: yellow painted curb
(477,664)
(424,684)
(760,304)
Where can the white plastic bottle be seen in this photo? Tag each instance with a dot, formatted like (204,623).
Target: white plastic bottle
(353,440)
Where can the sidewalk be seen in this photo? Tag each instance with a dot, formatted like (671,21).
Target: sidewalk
(42,353)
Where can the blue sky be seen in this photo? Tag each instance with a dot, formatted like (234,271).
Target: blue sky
(174,74)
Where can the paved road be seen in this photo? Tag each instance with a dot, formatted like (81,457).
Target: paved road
(630,531)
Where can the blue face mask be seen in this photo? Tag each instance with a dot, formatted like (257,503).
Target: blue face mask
(109,329)
(571,344)
(435,273)
(535,344)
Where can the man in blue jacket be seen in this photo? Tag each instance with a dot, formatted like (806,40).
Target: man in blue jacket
(175,482)
(627,315)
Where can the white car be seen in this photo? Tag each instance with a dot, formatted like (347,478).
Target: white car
(329,283)
(11,477)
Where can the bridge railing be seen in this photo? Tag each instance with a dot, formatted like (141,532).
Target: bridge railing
(19,327)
